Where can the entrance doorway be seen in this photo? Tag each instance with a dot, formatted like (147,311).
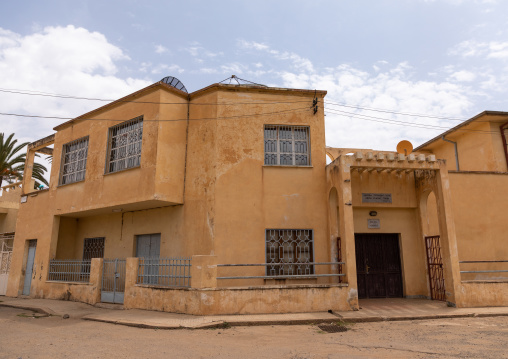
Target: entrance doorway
(32,245)
(378,265)
(113,281)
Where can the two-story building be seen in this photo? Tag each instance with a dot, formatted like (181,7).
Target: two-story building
(220,201)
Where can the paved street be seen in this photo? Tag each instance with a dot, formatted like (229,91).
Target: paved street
(24,336)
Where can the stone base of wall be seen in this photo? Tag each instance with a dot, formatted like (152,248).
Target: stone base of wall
(76,292)
(483,294)
(240,300)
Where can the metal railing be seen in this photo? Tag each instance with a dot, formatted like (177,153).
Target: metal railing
(164,272)
(310,275)
(484,271)
(69,270)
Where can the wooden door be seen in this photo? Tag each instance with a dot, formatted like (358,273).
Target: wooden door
(378,265)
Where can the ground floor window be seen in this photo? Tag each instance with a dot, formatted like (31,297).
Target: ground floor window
(290,250)
(93,248)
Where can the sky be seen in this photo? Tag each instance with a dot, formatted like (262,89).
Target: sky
(394,69)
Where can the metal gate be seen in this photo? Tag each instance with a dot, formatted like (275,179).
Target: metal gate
(435,263)
(113,281)
(5,265)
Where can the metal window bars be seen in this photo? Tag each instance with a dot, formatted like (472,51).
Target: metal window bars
(93,248)
(484,262)
(283,276)
(124,149)
(165,272)
(73,167)
(5,259)
(290,251)
(69,270)
(287,145)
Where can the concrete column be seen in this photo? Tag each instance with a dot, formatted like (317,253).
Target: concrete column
(347,230)
(131,274)
(204,271)
(96,269)
(27,174)
(448,237)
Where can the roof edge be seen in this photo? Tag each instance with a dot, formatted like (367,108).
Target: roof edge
(153,86)
(231,87)
(465,123)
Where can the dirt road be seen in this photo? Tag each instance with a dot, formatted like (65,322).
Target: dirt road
(22,336)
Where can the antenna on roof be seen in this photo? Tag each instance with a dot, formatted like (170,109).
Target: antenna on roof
(174,82)
(237,79)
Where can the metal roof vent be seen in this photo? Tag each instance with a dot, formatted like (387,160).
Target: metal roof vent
(239,81)
(174,82)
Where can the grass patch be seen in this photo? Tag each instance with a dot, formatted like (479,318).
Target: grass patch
(33,315)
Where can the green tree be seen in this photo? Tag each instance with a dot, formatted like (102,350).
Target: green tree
(12,163)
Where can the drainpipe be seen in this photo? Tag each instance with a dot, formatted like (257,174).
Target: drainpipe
(504,127)
(456,152)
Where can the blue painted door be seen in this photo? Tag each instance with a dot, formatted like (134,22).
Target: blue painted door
(29,266)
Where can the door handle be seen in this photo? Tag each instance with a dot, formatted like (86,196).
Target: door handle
(367,269)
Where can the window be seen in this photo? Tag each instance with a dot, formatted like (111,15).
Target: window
(93,248)
(291,250)
(287,145)
(74,161)
(124,148)
(148,247)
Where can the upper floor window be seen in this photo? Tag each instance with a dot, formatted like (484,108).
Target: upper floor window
(74,161)
(124,146)
(287,145)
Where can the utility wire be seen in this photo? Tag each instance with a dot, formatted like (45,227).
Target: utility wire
(168,120)
(37,93)
(393,112)
(327,102)
(329,110)
(406,124)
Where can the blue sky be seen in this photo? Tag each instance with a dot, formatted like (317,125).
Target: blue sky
(444,58)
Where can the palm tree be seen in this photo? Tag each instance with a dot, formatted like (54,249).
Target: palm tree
(12,164)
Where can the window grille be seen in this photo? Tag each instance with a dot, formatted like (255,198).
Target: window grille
(74,161)
(69,270)
(93,248)
(294,248)
(287,145)
(124,149)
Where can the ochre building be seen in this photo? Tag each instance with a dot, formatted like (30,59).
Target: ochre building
(221,201)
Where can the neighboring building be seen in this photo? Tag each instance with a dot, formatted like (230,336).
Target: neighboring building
(220,201)
(9,204)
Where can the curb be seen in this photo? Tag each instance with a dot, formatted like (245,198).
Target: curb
(225,323)
(40,310)
(219,324)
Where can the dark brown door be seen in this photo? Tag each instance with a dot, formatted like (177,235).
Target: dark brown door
(378,265)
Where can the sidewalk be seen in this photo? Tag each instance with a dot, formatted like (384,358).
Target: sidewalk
(371,311)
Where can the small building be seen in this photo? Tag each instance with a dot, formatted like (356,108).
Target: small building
(220,201)
(9,204)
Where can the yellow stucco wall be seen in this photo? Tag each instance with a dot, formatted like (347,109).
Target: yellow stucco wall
(203,186)
(479,146)
(9,204)
(213,163)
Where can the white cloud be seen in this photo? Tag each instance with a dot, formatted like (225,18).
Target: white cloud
(472,48)
(390,90)
(196,50)
(166,69)
(67,60)
(160,49)
(233,68)
(463,76)
(297,62)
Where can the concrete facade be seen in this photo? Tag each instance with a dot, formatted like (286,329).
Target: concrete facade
(9,205)
(203,188)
